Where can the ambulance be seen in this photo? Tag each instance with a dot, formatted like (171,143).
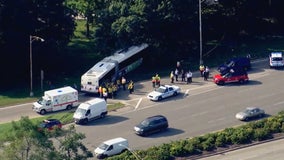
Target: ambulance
(56,100)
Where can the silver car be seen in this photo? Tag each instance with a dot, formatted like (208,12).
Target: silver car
(249,113)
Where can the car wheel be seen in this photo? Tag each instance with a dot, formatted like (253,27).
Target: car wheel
(159,98)
(42,112)
(103,115)
(221,83)
(175,93)
(246,119)
(241,81)
(85,121)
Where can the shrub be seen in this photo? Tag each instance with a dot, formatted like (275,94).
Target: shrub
(193,146)
(221,140)
(240,136)
(157,153)
(177,148)
(261,134)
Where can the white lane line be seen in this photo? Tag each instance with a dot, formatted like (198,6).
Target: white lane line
(137,105)
(186,93)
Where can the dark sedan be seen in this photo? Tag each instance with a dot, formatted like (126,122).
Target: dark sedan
(151,125)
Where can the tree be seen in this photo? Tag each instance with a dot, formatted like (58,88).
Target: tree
(26,142)
(71,146)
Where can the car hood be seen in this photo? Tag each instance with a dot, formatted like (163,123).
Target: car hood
(140,126)
(155,94)
(99,151)
(218,76)
(242,114)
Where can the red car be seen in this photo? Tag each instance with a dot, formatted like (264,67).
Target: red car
(230,77)
(50,124)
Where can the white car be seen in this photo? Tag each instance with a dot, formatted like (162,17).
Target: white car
(164,91)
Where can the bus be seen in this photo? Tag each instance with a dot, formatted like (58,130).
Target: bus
(112,68)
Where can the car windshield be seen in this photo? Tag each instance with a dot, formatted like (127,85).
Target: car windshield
(161,90)
(80,111)
(40,101)
(247,110)
(145,123)
(103,146)
(277,59)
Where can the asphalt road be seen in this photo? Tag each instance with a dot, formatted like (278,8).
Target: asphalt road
(203,107)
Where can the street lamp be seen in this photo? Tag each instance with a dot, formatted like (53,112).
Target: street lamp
(200,27)
(32,38)
(200,34)
(135,155)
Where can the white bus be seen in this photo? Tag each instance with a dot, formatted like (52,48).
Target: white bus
(112,68)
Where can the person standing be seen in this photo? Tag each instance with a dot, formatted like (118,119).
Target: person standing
(206,73)
(183,75)
(201,69)
(100,90)
(131,87)
(172,76)
(176,74)
(188,77)
(105,93)
(123,82)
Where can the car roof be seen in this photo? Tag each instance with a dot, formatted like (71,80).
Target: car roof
(251,108)
(156,117)
(115,140)
(50,120)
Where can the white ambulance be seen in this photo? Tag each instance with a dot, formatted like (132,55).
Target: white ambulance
(56,100)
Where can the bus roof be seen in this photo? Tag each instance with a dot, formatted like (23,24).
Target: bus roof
(108,63)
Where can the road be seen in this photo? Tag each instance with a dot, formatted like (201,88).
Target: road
(203,107)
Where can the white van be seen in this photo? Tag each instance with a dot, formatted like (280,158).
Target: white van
(276,59)
(90,110)
(111,147)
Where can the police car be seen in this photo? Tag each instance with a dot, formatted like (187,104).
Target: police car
(276,60)
(164,91)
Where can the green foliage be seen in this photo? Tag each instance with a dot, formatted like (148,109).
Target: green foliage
(209,142)
(221,140)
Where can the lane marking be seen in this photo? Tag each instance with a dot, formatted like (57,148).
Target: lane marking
(137,105)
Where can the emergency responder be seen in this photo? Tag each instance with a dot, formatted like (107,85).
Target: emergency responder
(154,81)
(157,80)
(131,87)
(105,93)
(114,90)
(118,83)
(110,91)
(100,91)
(201,69)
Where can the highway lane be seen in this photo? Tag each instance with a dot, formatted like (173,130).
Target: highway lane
(205,109)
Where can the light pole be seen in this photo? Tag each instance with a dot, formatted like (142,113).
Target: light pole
(32,38)
(130,150)
(200,34)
